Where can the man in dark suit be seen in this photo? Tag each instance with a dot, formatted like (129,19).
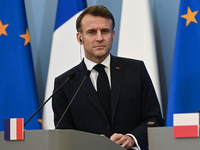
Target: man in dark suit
(131,102)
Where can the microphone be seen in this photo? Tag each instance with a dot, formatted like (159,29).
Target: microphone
(86,75)
(69,78)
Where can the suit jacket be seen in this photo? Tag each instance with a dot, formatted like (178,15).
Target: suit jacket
(133,101)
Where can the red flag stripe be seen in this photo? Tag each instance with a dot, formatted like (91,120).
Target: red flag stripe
(186,131)
(19,124)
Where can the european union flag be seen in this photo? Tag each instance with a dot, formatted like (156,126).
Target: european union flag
(18,94)
(184,94)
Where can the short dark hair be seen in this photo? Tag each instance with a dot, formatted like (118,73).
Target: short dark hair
(95,10)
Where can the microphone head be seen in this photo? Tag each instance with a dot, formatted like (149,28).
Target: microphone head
(72,76)
(87,73)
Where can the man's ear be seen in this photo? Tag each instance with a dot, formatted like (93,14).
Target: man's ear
(113,36)
(79,38)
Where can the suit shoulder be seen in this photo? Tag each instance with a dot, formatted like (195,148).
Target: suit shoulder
(129,61)
(69,72)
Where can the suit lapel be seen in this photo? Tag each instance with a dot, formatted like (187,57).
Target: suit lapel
(116,75)
(89,89)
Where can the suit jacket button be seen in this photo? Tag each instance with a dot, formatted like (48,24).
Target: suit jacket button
(107,128)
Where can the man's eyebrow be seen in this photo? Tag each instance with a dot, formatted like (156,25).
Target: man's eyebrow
(96,29)
(89,30)
(107,29)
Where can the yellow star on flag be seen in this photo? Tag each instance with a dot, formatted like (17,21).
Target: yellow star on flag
(3,28)
(190,16)
(26,37)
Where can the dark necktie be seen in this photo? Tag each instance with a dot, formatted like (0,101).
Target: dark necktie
(103,90)
(103,87)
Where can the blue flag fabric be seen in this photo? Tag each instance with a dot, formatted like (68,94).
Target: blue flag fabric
(18,95)
(67,9)
(184,94)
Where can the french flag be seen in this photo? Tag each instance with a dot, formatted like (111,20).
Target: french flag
(64,51)
(186,125)
(13,129)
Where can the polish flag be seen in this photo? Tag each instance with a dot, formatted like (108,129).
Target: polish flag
(186,125)
(13,129)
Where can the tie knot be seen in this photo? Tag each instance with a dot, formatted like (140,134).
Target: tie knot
(99,67)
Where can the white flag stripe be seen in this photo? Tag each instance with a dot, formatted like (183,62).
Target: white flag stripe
(13,135)
(186,119)
(65,53)
(136,38)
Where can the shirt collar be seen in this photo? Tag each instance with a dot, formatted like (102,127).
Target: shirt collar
(90,64)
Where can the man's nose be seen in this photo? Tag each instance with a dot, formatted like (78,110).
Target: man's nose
(99,36)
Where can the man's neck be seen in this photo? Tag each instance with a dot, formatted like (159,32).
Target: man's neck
(99,60)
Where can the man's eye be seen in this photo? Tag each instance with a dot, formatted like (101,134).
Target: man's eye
(105,31)
(91,32)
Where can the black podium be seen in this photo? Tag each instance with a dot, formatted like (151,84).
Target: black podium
(59,140)
(161,138)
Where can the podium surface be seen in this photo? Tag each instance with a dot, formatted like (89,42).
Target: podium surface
(59,140)
(161,138)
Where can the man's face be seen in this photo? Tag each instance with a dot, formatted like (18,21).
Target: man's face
(97,37)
